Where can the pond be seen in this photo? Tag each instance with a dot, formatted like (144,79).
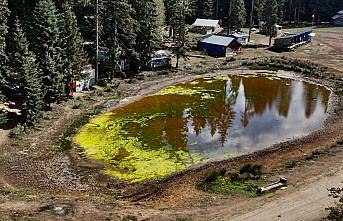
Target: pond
(208,119)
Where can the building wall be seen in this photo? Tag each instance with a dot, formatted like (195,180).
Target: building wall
(213,50)
(338,21)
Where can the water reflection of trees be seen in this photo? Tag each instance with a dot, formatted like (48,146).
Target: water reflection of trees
(311,95)
(262,94)
(182,113)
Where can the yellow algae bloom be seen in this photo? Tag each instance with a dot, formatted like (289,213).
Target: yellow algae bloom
(126,157)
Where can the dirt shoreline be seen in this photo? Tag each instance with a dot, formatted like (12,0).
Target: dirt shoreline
(71,176)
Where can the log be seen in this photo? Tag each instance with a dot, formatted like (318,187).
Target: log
(276,185)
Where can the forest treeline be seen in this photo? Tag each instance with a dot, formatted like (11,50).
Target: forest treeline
(44,44)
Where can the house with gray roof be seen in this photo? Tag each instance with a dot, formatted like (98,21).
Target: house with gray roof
(219,46)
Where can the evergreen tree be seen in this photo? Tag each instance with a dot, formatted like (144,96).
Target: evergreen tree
(182,7)
(160,20)
(24,74)
(170,15)
(4,12)
(270,17)
(238,14)
(72,46)
(209,9)
(118,34)
(46,44)
(146,29)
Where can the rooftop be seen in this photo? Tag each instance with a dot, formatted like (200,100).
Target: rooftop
(218,40)
(206,22)
(239,34)
(293,34)
(337,16)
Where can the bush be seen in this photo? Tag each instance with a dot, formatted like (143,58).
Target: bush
(99,92)
(77,103)
(336,212)
(17,131)
(254,171)
(101,83)
(3,118)
(110,87)
(211,176)
(46,116)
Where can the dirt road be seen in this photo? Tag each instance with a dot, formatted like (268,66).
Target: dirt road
(305,204)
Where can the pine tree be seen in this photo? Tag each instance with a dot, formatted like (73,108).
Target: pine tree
(118,34)
(161,18)
(146,30)
(204,9)
(171,14)
(238,14)
(209,9)
(270,17)
(46,44)
(182,7)
(4,12)
(74,54)
(25,77)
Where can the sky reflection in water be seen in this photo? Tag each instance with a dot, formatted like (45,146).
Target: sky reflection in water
(229,116)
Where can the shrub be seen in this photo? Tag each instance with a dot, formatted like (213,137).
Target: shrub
(111,86)
(3,118)
(99,92)
(254,170)
(46,116)
(211,176)
(336,212)
(77,103)
(102,83)
(17,131)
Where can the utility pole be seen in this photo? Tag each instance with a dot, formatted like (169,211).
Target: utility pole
(229,18)
(97,40)
(251,19)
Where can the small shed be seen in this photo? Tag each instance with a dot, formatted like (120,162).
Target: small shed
(337,20)
(160,59)
(241,37)
(205,26)
(293,40)
(220,46)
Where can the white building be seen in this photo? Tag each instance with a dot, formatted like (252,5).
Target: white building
(205,26)
(89,80)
